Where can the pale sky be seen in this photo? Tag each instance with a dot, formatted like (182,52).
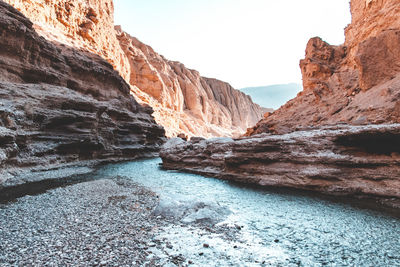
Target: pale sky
(243,42)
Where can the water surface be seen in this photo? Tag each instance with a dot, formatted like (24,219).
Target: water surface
(277,229)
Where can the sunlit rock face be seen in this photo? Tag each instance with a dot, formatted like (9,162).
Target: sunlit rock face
(369,19)
(60,105)
(183,101)
(357,82)
(308,143)
(81,24)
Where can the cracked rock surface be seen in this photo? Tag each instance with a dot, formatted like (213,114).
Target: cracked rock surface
(355,161)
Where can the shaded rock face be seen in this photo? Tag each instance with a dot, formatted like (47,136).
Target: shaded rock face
(357,161)
(60,105)
(356,83)
(183,101)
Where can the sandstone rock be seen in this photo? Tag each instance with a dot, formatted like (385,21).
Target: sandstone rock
(185,102)
(356,161)
(182,100)
(378,59)
(321,62)
(86,25)
(369,19)
(60,105)
(357,82)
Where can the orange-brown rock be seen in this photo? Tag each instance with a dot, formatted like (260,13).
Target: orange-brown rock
(321,62)
(84,24)
(369,19)
(61,106)
(357,83)
(183,101)
(190,103)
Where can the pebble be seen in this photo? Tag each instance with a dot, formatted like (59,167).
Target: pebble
(79,225)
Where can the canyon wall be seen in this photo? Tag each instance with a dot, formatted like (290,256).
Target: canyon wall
(183,101)
(85,25)
(308,143)
(62,106)
(355,161)
(357,82)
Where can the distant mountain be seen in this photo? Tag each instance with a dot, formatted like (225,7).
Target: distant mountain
(273,96)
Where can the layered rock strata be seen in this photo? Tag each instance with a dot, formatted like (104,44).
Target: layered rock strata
(61,105)
(357,82)
(183,101)
(293,147)
(86,25)
(356,161)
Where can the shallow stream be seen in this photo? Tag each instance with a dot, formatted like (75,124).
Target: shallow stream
(268,229)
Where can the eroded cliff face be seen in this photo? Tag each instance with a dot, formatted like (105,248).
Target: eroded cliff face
(183,101)
(355,161)
(357,83)
(62,106)
(79,24)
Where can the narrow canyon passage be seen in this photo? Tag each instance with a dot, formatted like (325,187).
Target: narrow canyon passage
(136,213)
(210,220)
(82,100)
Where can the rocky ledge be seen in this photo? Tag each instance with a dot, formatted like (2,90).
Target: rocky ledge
(61,106)
(353,161)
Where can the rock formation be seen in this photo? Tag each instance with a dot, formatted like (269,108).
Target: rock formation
(356,161)
(60,105)
(183,101)
(357,83)
(86,25)
(308,143)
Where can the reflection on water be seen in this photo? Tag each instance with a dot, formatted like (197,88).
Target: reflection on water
(275,229)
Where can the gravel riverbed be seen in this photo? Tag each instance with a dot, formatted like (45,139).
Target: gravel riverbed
(112,218)
(105,222)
